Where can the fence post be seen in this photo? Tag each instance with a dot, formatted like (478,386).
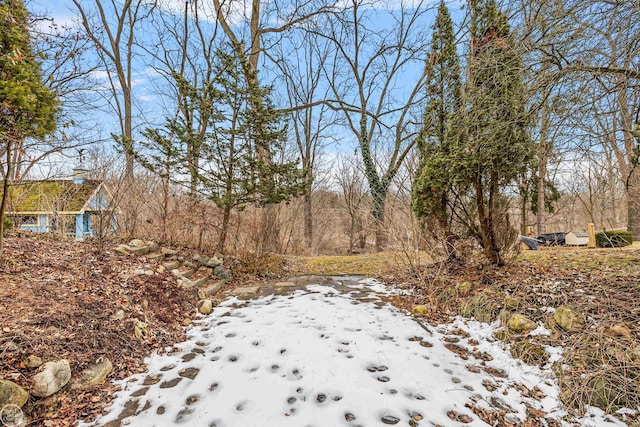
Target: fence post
(529,231)
(592,235)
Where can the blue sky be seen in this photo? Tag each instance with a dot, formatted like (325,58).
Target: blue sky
(147,82)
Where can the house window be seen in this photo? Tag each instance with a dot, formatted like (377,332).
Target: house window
(31,220)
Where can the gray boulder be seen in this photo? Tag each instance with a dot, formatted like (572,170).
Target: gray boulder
(12,394)
(93,375)
(221,273)
(139,250)
(200,259)
(51,378)
(214,262)
(210,290)
(171,265)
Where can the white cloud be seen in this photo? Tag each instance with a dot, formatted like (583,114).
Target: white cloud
(151,73)
(147,98)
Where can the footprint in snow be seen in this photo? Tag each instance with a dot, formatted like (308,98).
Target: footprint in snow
(190,373)
(390,419)
(184,416)
(192,399)
(171,383)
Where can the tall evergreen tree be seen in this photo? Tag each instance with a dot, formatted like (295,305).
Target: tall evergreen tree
(27,107)
(237,126)
(432,189)
(245,152)
(494,146)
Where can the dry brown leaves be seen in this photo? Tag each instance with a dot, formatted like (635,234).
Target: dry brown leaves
(58,299)
(602,285)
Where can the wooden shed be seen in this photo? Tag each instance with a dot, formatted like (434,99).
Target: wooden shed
(577,238)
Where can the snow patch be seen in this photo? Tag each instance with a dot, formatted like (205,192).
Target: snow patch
(321,357)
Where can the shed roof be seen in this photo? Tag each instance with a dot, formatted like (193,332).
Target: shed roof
(61,196)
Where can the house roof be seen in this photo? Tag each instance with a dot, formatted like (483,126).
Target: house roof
(61,196)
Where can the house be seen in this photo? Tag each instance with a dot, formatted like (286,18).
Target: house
(577,238)
(69,207)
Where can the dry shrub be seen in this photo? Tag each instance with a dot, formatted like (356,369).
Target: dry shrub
(251,264)
(600,370)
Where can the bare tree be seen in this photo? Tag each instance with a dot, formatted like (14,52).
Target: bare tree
(373,79)
(353,189)
(604,55)
(253,34)
(310,121)
(112,26)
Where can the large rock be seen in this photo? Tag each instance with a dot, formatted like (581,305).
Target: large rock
(568,319)
(168,251)
(155,257)
(32,362)
(221,273)
(12,394)
(201,281)
(136,243)
(214,262)
(51,378)
(604,392)
(521,323)
(205,306)
(200,259)
(210,290)
(171,265)
(93,375)
(420,310)
(139,250)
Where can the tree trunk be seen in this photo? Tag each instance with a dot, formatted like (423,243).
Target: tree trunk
(523,215)
(5,195)
(544,149)
(633,202)
(165,208)
(224,227)
(308,219)
(487,232)
(633,177)
(269,240)
(379,201)
(128,138)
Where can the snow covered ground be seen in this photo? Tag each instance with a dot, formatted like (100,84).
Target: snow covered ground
(325,357)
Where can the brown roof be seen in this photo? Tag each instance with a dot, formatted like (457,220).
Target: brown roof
(50,196)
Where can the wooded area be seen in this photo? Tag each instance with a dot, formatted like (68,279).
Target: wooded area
(171,163)
(298,126)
